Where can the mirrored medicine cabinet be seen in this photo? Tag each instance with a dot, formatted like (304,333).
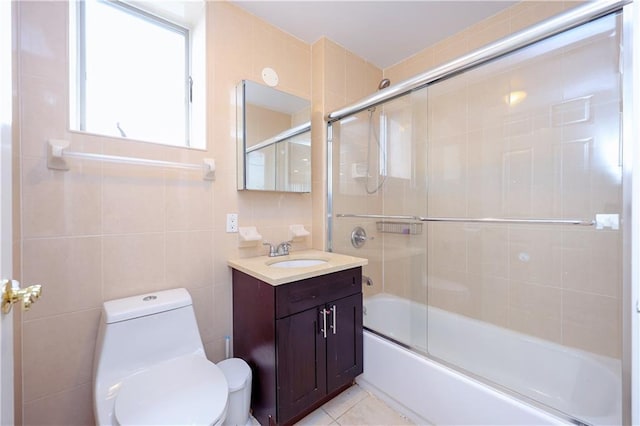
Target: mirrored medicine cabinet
(273,139)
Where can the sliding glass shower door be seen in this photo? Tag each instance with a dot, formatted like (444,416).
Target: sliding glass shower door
(533,135)
(492,203)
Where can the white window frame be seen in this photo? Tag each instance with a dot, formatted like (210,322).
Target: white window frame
(80,86)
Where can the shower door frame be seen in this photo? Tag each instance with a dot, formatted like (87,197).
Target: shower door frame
(630,145)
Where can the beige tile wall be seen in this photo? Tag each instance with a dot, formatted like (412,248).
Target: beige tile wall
(241,46)
(99,232)
(102,231)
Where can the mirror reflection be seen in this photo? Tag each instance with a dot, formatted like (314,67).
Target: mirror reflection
(274,139)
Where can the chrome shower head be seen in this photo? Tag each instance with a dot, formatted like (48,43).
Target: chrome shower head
(384,83)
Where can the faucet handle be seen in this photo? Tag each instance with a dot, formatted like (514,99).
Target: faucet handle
(283,248)
(272,249)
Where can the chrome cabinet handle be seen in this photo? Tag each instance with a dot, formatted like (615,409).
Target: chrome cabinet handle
(324,323)
(334,315)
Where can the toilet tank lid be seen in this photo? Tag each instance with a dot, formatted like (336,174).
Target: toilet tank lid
(146,304)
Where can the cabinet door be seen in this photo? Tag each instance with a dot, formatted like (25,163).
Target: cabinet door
(301,362)
(344,341)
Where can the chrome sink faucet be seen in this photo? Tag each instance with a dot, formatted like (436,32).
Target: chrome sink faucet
(281,250)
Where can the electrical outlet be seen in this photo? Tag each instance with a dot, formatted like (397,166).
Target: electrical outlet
(232,222)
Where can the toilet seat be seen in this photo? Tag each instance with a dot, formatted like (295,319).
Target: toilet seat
(189,390)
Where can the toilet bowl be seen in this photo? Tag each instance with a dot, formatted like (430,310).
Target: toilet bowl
(150,367)
(183,391)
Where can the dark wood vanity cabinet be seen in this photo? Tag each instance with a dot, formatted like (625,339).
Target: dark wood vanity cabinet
(303,340)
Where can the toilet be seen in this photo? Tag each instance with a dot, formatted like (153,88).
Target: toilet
(150,367)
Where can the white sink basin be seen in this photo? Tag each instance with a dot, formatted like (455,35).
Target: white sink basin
(297,263)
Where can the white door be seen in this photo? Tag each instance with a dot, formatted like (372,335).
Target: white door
(6,238)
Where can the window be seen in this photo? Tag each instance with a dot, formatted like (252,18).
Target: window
(130,74)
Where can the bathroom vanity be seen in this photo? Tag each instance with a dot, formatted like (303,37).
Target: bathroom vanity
(301,334)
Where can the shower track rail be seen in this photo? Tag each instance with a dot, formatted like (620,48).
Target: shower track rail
(578,222)
(564,21)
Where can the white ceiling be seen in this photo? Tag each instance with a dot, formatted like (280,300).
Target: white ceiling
(382,32)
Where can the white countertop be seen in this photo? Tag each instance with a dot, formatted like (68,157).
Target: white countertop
(258,267)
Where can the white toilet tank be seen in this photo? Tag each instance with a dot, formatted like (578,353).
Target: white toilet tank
(140,331)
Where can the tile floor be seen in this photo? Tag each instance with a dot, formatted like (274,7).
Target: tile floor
(355,406)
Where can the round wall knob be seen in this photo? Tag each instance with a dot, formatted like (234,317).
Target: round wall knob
(358,237)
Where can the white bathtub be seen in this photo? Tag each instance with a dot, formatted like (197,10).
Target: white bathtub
(581,384)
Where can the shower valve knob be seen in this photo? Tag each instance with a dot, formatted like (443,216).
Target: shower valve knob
(359,237)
